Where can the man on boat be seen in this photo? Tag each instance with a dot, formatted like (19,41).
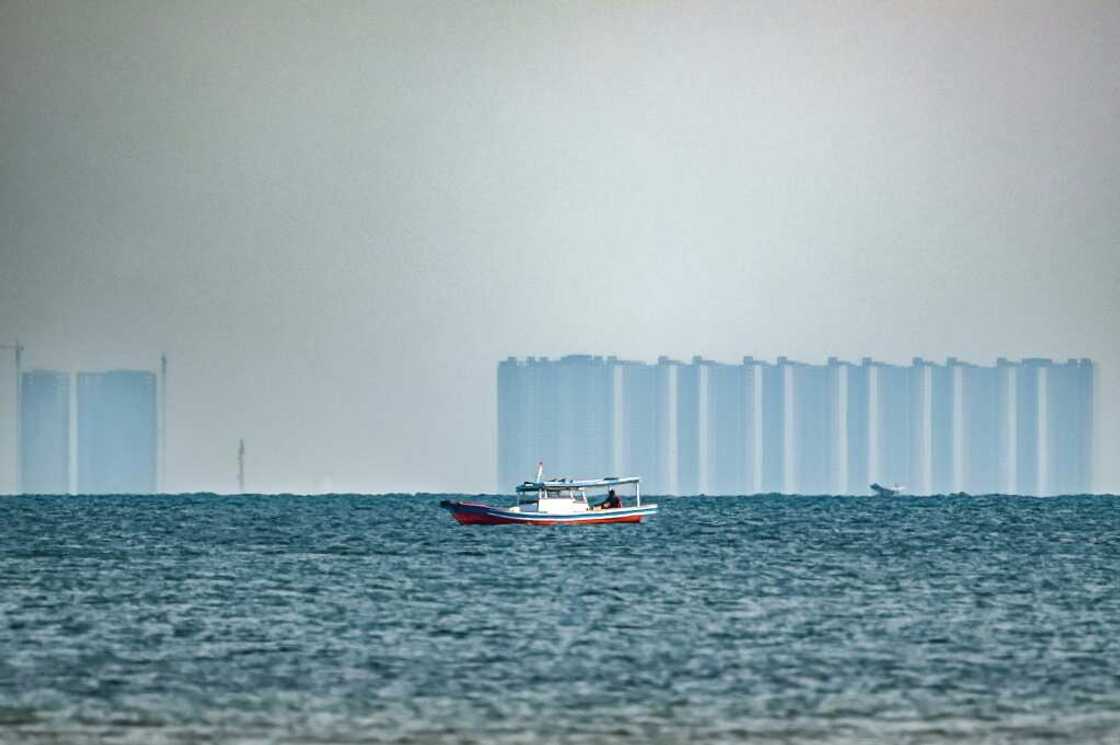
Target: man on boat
(611,502)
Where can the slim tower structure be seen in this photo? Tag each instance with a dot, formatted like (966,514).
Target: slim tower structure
(241,466)
(162,487)
(18,349)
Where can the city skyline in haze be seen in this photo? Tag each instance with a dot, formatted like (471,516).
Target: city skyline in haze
(753,427)
(336,220)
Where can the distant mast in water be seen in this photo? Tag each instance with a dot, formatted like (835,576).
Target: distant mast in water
(241,466)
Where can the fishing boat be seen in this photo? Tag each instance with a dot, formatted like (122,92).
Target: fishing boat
(559,502)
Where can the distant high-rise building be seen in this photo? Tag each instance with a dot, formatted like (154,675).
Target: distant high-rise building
(708,427)
(691,426)
(1030,386)
(634,403)
(893,425)
(559,412)
(117,428)
(1067,416)
(515,452)
(45,432)
(750,447)
(665,478)
(726,448)
(980,453)
(773,424)
(937,407)
(857,425)
(813,422)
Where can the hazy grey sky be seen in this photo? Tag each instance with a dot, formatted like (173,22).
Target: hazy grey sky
(336,218)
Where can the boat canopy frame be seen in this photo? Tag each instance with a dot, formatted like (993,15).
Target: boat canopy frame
(556,486)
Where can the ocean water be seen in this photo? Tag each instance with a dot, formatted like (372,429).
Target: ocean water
(378,619)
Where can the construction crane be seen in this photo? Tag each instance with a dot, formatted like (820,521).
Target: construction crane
(18,349)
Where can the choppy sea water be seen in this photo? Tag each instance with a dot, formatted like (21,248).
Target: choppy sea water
(379,619)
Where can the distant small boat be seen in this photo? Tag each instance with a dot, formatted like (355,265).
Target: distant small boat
(558,502)
(885,491)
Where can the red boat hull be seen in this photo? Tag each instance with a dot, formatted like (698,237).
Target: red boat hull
(467,518)
(473,513)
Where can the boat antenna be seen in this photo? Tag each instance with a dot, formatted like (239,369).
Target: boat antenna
(540,470)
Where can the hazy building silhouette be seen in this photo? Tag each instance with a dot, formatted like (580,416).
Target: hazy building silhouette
(938,406)
(982,448)
(666,473)
(813,420)
(893,426)
(544,403)
(709,427)
(751,445)
(691,426)
(727,447)
(583,415)
(556,411)
(45,432)
(516,450)
(637,428)
(856,402)
(1068,426)
(1030,386)
(773,424)
(117,432)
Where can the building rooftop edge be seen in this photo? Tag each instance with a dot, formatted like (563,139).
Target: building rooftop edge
(750,360)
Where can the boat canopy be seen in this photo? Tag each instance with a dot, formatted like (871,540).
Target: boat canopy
(558,485)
